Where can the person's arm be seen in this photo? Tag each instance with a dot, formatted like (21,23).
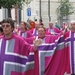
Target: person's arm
(16,31)
(65,29)
(37,43)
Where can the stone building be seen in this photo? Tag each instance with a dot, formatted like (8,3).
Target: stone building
(39,9)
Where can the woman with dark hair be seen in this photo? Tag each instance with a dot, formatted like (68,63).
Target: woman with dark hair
(14,52)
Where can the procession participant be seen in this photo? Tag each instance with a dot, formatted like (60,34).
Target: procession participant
(52,30)
(34,31)
(23,32)
(43,39)
(70,49)
(14,52)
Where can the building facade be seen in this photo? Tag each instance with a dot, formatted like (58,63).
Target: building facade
(44,9)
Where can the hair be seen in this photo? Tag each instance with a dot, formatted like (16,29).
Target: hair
(25,24)
(73,21)
(0,22)
(8,20)
(42,27)
(50,22)
(1,30)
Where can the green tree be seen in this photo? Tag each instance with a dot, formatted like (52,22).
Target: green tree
(64,9)
(9,4)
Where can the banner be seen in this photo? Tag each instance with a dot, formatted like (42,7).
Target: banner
(52,58)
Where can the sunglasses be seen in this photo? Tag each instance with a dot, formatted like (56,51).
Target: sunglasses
(5,26)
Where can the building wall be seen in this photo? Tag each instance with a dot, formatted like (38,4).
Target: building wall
(53,6)
(35,11)
(34,5)
(0,14)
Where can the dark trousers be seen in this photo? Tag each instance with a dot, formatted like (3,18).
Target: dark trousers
(72,74)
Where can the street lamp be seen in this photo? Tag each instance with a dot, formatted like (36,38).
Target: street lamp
(40,8)
(49,10)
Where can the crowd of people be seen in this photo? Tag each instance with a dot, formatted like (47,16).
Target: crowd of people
(19,42)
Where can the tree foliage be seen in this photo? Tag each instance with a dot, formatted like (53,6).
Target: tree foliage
(12,3)
(65,8)
(9,4)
